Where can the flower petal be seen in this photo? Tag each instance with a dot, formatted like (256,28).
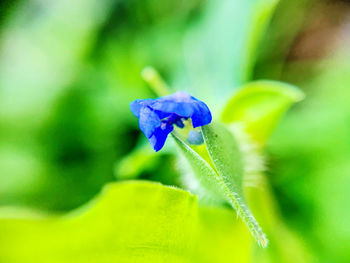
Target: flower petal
(201,115)
(137,105)
(159,137)
(149,121)
(179,103)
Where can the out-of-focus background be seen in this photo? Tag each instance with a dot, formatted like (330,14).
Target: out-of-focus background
(69,69)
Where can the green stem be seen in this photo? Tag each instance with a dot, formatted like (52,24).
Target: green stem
(155,81)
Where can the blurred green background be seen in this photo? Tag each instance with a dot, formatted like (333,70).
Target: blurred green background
(69,69)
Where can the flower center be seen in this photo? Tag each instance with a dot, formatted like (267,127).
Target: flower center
(174,119)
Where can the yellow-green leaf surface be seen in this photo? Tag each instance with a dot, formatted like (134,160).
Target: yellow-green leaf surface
(259,106)
(128,222)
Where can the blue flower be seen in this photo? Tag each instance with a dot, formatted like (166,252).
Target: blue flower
(157,116)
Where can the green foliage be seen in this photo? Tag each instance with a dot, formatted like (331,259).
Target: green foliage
(221,49)
(205,174)
(310,166)
(226,157)
(259,106)
(51,119)
(128,222)
(223,176)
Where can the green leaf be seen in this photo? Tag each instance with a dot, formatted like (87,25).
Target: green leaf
(259,106)
(226,157)
(224,178)
(206,176)
(128,222)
